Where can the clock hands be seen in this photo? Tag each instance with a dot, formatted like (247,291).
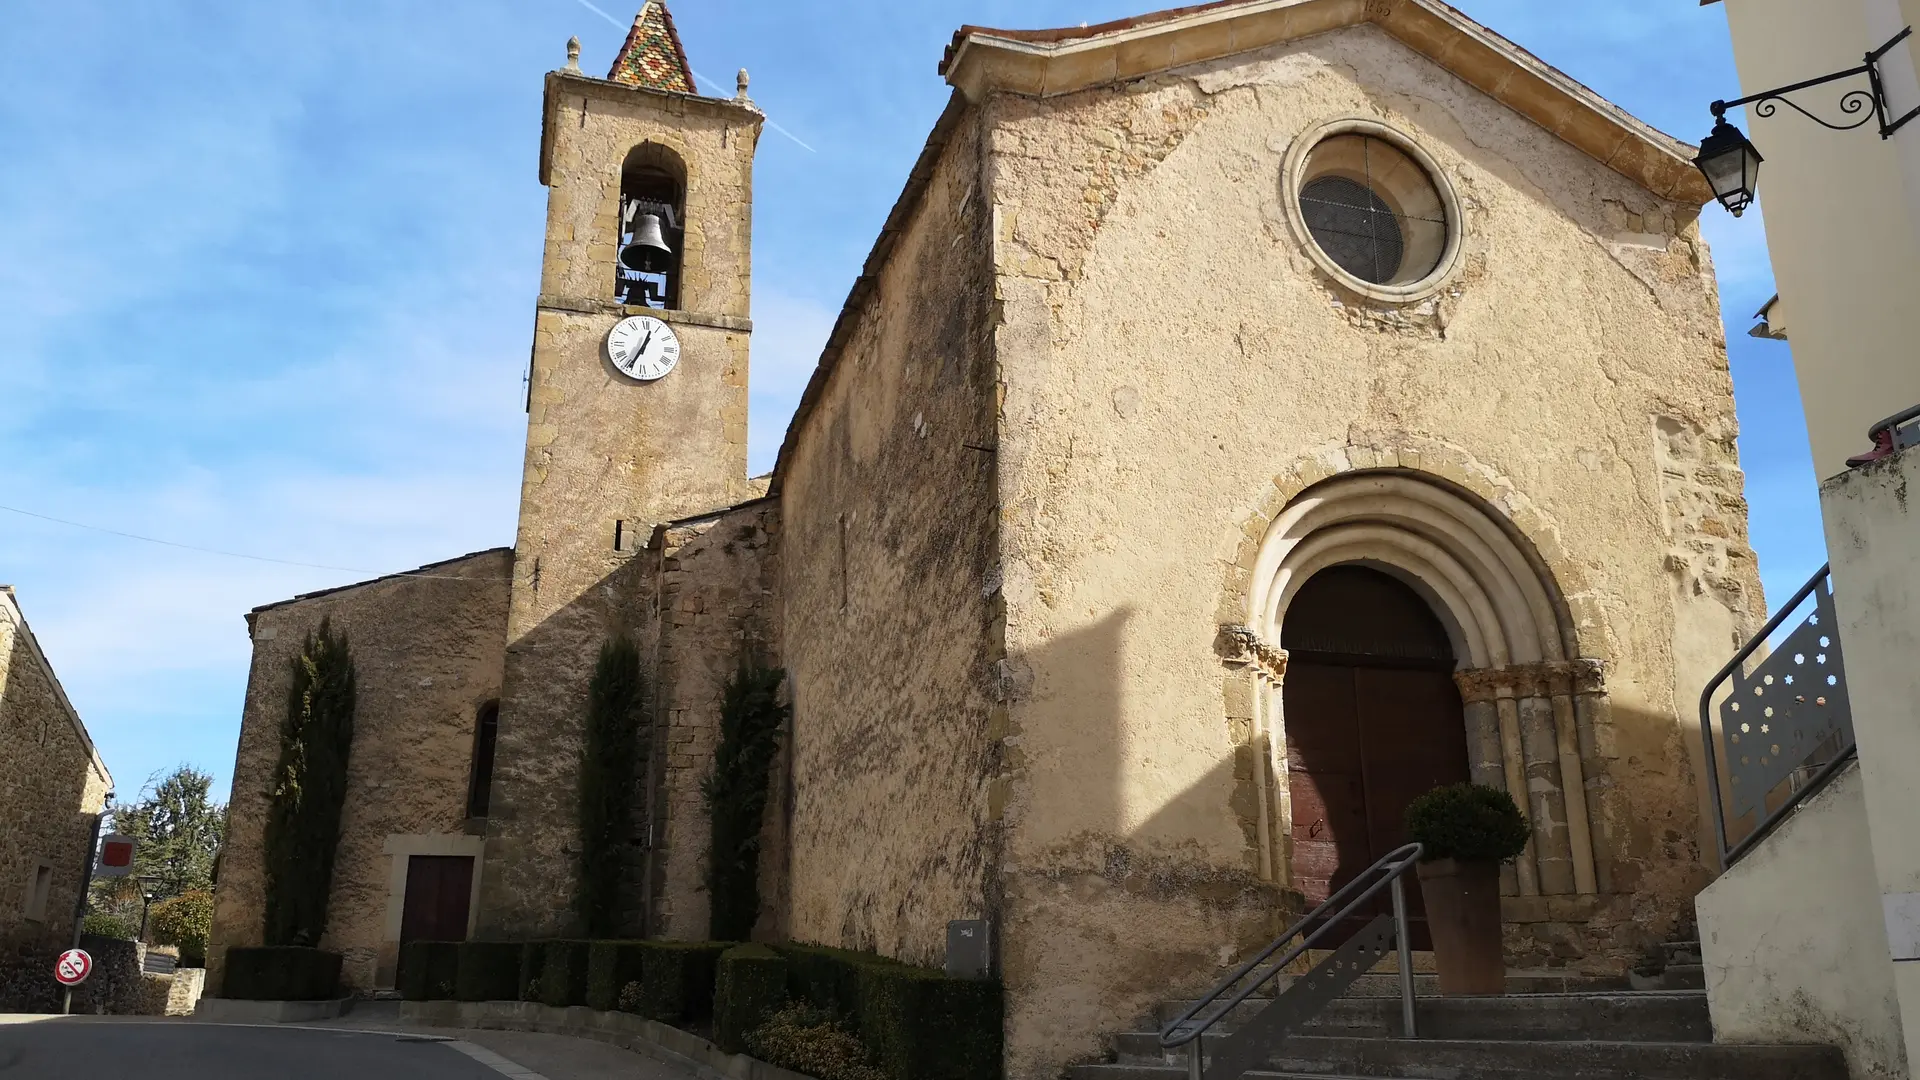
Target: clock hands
(644,342)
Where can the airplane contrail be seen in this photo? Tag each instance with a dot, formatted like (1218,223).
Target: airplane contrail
(710,82)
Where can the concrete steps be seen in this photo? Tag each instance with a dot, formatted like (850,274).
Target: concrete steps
(1623,1016)
(1550,1026)
(1459,1059)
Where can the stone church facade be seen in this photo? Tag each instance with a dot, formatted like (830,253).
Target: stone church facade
(1249,416)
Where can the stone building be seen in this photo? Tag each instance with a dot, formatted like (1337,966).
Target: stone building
(1249,416)
(53,787)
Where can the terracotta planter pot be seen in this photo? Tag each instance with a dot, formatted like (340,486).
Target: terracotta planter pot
(1463,914)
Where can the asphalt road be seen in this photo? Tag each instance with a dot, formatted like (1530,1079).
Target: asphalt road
(68,1050)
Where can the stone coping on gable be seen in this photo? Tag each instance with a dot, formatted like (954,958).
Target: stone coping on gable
(1044,63)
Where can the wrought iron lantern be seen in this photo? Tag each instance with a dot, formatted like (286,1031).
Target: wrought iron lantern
(1731,165)
(1728,158)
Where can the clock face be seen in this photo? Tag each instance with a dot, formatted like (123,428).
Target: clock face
(643,347)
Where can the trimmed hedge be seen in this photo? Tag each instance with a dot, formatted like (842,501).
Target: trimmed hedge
(488,971)
(749,987)
(281,973)
(611,965)
(563,975)
(533,957)
(429,970)
(676,980)
(918,1023)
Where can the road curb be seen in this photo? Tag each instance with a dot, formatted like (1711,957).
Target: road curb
(625,1030)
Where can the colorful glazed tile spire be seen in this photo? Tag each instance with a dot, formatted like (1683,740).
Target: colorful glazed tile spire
(652,56)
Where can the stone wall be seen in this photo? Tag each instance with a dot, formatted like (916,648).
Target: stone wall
(890,587)
(717,583)
(609,457)
(1176,369)
(428,651)
(52,786)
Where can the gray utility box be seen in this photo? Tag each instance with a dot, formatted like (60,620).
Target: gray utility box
(969,949)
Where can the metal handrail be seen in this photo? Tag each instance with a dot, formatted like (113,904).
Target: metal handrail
(1730,854)
(1390,870)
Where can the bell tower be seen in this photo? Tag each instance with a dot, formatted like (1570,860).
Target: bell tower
(636,414)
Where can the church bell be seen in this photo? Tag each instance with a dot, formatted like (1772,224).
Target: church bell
(649,252)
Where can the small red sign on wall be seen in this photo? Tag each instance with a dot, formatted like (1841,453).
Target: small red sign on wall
(116,856)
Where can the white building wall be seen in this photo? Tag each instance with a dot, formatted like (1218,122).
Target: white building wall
(1794,947)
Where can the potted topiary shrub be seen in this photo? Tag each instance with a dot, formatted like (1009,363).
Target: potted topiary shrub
(1467,831)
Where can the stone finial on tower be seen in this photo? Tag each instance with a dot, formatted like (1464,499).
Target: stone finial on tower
(573,54)
(652,56)
(740,86)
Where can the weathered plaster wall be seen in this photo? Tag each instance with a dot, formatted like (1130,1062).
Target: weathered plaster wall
(52,783)
(1794,945)
(607,455)
(428,652)
(891,594)
(1175,369)
(718,578)
(1872,520)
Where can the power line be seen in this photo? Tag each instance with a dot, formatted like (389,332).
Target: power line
(227,554)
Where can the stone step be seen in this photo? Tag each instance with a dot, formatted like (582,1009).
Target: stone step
(1681,952)
(1675,977)
(1479,1059)
(1387,984)
(1623,1017)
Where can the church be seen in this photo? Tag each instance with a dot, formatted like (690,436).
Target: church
(1249,417)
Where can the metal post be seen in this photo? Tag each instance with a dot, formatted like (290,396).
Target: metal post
(1406,955)
(1196,1069)
(80,907)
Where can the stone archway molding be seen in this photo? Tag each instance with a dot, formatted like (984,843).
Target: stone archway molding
(1414,511)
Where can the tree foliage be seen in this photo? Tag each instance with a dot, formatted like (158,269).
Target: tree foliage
(185,921)
(751,718)
(177,830)
(609,781)
(309,788)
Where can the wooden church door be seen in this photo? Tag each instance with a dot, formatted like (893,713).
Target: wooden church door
(1372,721)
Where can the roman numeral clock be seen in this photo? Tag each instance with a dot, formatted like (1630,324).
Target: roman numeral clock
(642,347)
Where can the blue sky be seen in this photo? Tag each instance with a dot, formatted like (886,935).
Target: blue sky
(267,273)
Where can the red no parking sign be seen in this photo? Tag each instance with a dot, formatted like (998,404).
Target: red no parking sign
(73,967)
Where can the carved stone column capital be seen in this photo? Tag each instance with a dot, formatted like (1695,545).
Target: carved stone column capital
(1240,647)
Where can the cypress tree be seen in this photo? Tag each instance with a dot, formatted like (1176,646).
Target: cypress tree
(310,786)
(616,710)
(751,716)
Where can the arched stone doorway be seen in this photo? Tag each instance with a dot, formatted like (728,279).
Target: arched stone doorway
(1528,702)
(1373,722)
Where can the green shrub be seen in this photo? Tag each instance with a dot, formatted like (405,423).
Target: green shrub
(751,716)
(611,967)
(922,1025)
(808,1039)
(676,980)
(185,921)
(533,957)
(609,781)
(281,973)
(108,926)
(918,1023)
(563,976)
(825,976)
(1468,822)
(488,971)
(429,970)
(302,829)
(749,987)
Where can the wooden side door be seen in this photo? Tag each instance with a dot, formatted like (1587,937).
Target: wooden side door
(1326,780)
(439,889)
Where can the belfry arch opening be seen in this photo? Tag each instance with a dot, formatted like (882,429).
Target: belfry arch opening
(651,249)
